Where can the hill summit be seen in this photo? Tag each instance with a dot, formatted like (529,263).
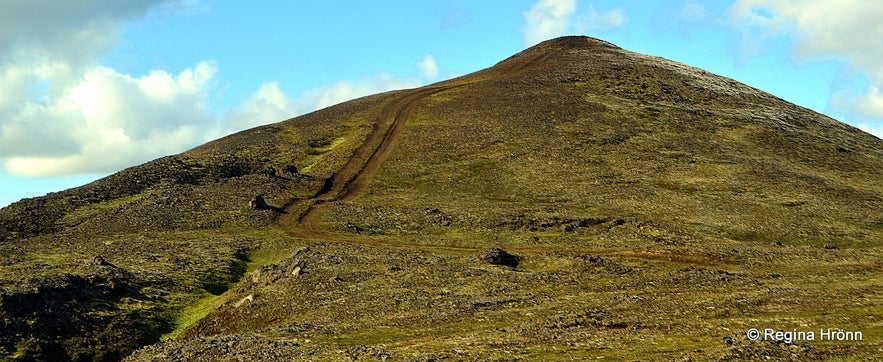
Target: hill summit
(575,200)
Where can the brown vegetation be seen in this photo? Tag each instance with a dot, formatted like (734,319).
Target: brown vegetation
(576,200)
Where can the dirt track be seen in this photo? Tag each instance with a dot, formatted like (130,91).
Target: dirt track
(303,217)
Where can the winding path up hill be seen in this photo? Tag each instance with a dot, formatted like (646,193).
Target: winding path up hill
(575,200)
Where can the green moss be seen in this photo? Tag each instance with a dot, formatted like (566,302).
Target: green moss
(318,148)
(83,213)
(193,312)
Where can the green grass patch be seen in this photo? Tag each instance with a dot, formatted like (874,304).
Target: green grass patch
(87,211)
(319,148)
(193,313)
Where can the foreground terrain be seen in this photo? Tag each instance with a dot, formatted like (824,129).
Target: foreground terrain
(575,200)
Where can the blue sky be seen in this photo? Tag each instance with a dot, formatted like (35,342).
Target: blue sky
(91,87)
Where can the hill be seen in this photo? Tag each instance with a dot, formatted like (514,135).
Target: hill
(574,200)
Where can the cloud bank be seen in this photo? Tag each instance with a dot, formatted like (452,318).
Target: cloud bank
(63,113)
(105,120)
(847,29)
(428,67)
(548,19)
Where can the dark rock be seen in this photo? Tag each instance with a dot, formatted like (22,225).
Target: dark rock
(728,340)
(270,172)
(485,303)
(830,246)
(98,260)
(290,169)
(76,317)
(499,256)
(355,228)
(258,203)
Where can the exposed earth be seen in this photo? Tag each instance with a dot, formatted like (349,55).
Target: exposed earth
(575,201)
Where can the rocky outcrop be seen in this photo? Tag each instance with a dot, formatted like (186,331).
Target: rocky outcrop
(258,203)
(94,316)
(499,256)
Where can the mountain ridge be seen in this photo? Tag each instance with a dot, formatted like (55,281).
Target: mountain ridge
(612,176)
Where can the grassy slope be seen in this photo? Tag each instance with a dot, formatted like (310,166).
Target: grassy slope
(182,225)
(658,211)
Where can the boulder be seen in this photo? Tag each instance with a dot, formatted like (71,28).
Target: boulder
(499,256)
(290,169)
(258,203)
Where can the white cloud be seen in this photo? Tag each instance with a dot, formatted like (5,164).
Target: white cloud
(606,21)
(552,18)
(63,113)
(266,105)
(848,29)
(428,67)
(74,32)
(107,121)
(871,103)
(270,104)
(548,19)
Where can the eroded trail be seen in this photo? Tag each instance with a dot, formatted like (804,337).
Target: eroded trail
(303,217)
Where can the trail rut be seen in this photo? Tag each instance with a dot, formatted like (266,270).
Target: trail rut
(302,218)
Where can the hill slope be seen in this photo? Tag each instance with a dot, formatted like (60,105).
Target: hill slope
(645,209)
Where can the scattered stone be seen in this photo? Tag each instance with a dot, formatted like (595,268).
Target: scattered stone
(437,216)
(830,246)
(248,298)
(611,266)
(499,256)
(290,169)
(49,317)
(270,171)
(98,260)
(258,203)
(355,228)
(485,303)
(270,273)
